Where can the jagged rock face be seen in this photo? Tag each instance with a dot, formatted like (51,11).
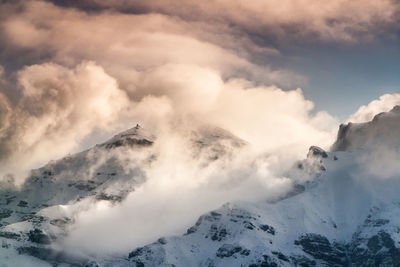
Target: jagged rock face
(320,248)
(377,250)
(242,245)
(315,151)
(383,130)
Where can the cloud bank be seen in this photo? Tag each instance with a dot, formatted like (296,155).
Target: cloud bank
(367,112)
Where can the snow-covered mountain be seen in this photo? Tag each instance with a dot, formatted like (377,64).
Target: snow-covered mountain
(344,214)
(36,215)
(335,220)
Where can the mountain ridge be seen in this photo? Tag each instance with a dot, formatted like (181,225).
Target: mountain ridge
(337,213)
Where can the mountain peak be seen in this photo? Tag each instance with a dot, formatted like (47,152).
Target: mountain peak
(136,136)
(382,130)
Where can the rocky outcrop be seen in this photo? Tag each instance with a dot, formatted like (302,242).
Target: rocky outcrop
(315,151)
(383,130)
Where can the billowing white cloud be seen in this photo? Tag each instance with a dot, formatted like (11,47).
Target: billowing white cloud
(367,112)
(58,108)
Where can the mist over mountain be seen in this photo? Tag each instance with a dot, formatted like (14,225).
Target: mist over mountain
(108,206)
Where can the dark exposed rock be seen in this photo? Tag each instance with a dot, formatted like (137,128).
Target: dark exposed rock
(162,241)
(84,186)
(342,142)
(48,173)
(4,244)
(228,250)
(36,219)
(23,204)
(375,222)
(5,213)
(104,196)
(10,199)
(128,141)
(138,252)
(191,230)
(248,225)
(316,152)
(27,217)
(215,214)
(139,263)
(267,228)
(37,236)
(143,255)
(303,261)
(10,235)
(217,233)
(54,257)
(60,222)
(91,264)
(378,250)
(320,248)
(41,253)
(211,217)
(266,261)
(300,166)
(280,256)
(245,252)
